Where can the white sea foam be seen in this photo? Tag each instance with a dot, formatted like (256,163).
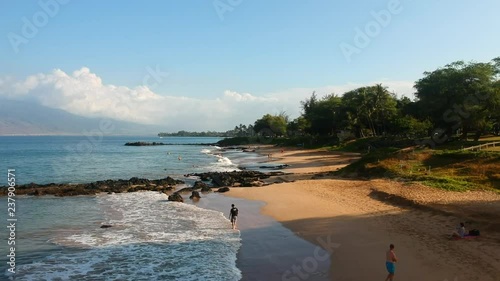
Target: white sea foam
(224,161)
(223,164)
(206,151)
(151,239)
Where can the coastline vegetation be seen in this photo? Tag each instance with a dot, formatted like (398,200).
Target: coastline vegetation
(455,106)
(449,169)
(238,131)
(456,102)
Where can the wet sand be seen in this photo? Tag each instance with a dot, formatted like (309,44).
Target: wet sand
(269,250)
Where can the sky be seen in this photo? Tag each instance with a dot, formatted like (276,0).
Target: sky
(211,65)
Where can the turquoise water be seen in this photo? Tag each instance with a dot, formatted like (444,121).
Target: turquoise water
(63,159)
(40,219)
(151,239)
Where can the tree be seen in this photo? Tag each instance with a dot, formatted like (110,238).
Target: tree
(250,130)
(372,108)
(410,127)
(278,125)
(271,124)
(460,96)
(323,117)
(297,127)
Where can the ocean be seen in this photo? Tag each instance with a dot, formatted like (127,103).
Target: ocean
(77,159)
(151,238)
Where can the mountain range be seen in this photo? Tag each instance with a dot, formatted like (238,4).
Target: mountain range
(29,118)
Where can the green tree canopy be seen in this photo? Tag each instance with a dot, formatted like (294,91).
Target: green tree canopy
(271,124)
(373,108)
(460,96)
(323,117)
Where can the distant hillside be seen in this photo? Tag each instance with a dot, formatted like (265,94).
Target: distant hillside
(194,134)
(27,118)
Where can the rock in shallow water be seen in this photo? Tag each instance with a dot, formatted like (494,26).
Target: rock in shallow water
(195,195)
(176,197)
(221,179)
(206,189)
(199,184)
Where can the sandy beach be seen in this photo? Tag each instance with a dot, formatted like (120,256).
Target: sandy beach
(303,161)
(269,249)
(355,221)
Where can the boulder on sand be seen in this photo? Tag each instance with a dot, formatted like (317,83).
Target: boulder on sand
(223,189)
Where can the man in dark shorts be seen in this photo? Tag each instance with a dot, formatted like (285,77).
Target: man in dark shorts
(233,214)
(390,262)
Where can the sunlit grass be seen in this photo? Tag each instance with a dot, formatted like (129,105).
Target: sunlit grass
(449,169)
(490,138)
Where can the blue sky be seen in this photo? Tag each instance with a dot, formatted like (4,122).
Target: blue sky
(261,48)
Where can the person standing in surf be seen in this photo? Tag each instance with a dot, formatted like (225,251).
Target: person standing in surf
(233,214)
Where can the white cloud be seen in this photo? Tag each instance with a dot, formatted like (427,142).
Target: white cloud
(83,93)
(231,95)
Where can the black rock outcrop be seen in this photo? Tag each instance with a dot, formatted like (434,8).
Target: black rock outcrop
(195,195)
(176,197)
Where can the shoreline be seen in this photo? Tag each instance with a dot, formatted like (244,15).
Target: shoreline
(259,233)
(359,224)
(355,220)
(351,222)
(306,161)
(269,250)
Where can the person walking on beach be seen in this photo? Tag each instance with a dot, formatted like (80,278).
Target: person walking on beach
(233,214)
(390,262)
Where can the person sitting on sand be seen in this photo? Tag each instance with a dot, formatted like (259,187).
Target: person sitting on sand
(460,232)
(390,262)
(233,214)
